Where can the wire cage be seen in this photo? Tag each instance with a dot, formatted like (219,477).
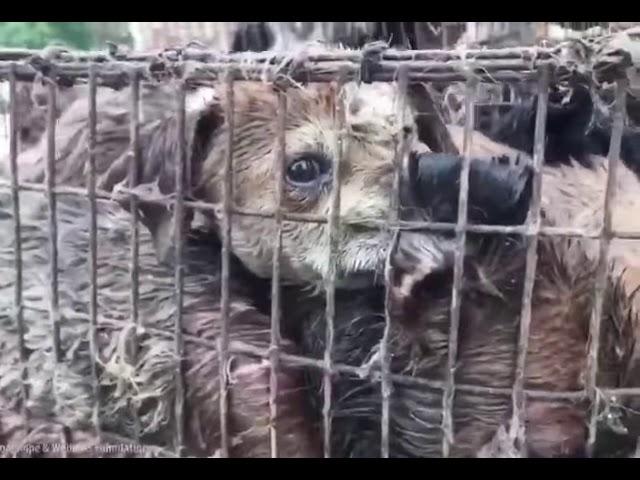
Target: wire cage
(370,64)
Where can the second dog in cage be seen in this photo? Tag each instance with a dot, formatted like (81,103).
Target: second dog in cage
(557,350)
(486,361)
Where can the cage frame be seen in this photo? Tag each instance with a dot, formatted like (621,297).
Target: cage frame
(373,63)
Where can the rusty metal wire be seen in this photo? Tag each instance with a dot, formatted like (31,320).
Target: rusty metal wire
(93,253)
(518,420)
(545,230)
(386,383)
(179,265)
(508,64)
(334,231)
(458,271)
(276,310)
(54,293)
(54,313)
(603,262)
(63,56)
(374,373)
(15,195)
(389,65)
(227,199)
(134,166)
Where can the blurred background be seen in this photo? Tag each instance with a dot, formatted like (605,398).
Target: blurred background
(278,36)
(235,36)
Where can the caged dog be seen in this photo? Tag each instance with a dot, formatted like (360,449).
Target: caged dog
(562,304)
(145,384)
(422,261)
(490,308)
(373,127)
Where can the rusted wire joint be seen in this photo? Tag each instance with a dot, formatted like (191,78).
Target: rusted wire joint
(371,56)
(45,67)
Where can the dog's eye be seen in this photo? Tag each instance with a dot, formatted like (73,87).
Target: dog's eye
(306,170)
(303,171)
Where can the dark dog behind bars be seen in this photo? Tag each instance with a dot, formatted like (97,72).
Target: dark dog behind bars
(557,416)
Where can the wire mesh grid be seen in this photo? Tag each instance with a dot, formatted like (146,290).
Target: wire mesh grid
(505,65)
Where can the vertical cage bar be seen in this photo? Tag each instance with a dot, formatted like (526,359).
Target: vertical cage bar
(334,232)
(54,311)
(403,36)
(179,266)
(384,31)
(444,27)
(227,201)
(394,211)
(603,261)
(15,196)
(54,292)
(274,348)
(458,271)
(93,252)
(134,166)
(517,427)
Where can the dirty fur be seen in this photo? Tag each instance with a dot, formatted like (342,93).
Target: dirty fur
(373,126)
(31,109)
(145,386)
(491,296)
(574,175)
(572,196)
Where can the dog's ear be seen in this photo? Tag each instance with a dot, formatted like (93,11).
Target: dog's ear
(159,156)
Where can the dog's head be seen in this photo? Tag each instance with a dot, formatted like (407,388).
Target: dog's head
(358,129)
(370,130)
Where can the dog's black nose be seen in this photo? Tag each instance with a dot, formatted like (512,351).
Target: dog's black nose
(499,193)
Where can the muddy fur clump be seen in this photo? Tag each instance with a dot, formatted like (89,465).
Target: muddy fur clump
(137,388)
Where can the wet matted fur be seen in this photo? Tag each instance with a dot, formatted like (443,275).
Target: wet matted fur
(572,196)
(566,192)
(491,298)
(62,393)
